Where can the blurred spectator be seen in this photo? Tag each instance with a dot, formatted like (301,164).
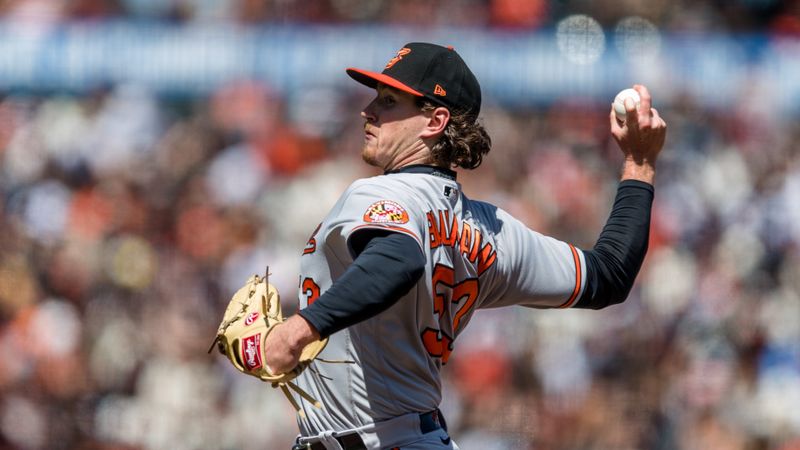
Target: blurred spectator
(128,219)
(518,13)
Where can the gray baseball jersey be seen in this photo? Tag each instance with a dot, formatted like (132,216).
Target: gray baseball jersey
(478,256)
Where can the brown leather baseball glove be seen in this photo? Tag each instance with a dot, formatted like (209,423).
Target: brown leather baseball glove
(253,312)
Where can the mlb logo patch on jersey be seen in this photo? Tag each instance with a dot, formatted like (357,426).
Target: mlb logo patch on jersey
(386,211)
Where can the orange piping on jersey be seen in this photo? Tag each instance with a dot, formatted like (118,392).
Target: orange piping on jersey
(577,289)
(389,227)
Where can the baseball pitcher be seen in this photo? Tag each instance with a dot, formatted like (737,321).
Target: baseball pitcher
(396,270)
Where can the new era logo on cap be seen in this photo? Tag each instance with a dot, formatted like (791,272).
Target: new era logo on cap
(431,71)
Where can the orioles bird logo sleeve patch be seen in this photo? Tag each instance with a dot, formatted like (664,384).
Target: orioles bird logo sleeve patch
(386,211)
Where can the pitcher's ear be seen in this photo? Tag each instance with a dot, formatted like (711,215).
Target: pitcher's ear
(438,119)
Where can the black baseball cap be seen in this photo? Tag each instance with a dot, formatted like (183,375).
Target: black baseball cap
(431,71)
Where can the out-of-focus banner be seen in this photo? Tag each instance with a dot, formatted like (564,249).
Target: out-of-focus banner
(573,60)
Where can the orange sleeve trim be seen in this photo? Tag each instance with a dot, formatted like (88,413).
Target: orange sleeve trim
(578,277)
(389,227)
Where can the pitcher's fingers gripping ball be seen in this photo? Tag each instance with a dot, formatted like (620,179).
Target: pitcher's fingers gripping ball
(253,312)
(642,132)
(619,102)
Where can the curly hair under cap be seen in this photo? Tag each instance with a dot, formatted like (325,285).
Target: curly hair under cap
(463,143)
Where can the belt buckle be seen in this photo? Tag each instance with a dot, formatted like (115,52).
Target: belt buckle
(300,446)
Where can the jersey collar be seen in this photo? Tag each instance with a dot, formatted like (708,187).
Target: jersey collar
(423,168)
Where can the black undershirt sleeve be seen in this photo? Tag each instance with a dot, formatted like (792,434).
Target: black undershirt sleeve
(386,267)
(615,260)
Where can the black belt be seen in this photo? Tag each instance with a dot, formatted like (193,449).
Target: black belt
(429,421)
(350,441)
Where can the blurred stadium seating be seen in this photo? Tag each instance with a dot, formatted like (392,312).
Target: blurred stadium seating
(154,153)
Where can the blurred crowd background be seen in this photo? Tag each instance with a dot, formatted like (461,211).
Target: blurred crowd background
(707,15)
(129,217)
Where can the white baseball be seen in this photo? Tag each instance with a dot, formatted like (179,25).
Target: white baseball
(619,102)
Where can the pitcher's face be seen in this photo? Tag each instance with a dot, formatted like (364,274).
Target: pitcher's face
(393,124)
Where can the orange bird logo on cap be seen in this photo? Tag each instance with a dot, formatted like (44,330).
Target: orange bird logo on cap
(400,53)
